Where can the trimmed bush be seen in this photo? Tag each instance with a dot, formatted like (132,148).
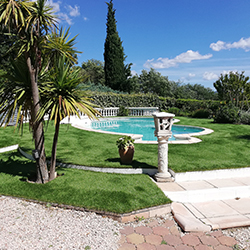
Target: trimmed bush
(122,111)
(227,114)
(245,117)
(186,107)
(174,110)
(201,113)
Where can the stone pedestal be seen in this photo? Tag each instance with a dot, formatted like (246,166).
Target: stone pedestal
(163,175)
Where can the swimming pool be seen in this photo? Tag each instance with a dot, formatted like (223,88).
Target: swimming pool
(144,126)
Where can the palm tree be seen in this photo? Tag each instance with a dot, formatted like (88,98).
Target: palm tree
(15,95)
(62,98)
(30,22)
(58,43)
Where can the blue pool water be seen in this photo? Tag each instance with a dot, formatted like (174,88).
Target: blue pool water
(144,126)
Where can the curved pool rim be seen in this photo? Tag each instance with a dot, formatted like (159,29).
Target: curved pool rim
(84,124)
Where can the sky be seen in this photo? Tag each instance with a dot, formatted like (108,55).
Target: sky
(191,41)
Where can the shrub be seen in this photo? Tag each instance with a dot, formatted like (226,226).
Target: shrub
(201,113)
(174,110)
(245,117)
(122,111)
(227,114)
(185,107)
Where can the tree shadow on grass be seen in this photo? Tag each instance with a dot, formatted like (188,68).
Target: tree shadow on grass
(13,163)
(244,137)
(134,164)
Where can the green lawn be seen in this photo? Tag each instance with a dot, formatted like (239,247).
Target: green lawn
(99,191)
(227,147)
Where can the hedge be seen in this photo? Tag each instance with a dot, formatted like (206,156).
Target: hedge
(148,100)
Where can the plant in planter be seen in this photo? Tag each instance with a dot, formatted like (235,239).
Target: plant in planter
(126,148)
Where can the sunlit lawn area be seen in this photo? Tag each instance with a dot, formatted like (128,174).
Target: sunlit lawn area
(99,191)
(227,147)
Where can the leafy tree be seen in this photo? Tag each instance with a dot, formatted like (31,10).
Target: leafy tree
(116,73)
(93,71)
(153,82)
(30,23)
(29,20)
(233,87)
(62,98)
(5,43)
(16,93)
(57,44)
(197,92)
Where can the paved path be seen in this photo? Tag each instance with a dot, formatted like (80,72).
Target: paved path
(168,236)
(210,204)
(202,209)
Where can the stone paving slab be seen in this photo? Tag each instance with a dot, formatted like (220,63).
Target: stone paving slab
(186,219)
(225,183)
(206,216)
(201,191)
(227,221)
(240,205)
(243,180)
(214,209)
(169,186)
(195,185)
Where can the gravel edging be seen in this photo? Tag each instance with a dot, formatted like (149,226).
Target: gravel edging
(242,235)
(29,225)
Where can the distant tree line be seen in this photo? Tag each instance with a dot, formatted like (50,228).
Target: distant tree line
(148,82)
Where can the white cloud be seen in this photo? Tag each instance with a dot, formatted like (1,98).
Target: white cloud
(186,57)
(243,43)
(54,5)
(133,72)
(225,72)
(218,46)
(65,17)
(210,76)
(188,77)
(85,18)
(73,11)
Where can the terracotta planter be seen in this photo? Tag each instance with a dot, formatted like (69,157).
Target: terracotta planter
(127,155)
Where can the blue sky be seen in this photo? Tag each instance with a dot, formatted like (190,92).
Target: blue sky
(193,41)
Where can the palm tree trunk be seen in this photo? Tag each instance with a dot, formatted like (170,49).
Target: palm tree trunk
(53,154)
(38,134)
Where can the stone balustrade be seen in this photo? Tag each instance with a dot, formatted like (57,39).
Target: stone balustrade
(108,111)
(142,111)
(113,111)
(133,111)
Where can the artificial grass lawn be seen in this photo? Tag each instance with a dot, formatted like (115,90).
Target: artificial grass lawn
(227,147)
(81,147)
(99,191)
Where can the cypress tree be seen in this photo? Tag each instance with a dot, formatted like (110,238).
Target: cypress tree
(116,73)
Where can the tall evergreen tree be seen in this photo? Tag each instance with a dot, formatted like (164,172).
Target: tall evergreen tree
(116,73)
